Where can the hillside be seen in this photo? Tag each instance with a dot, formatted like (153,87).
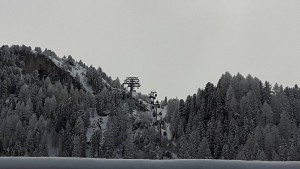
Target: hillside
(53,106)
(239,118)
(48,103)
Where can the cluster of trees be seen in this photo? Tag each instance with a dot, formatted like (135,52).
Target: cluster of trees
(98,79)
(42,117)
(240,118)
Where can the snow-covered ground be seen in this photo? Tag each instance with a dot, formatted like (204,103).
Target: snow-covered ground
(76,69)
(95,121)
(82,76)
(88,163)
(81,72)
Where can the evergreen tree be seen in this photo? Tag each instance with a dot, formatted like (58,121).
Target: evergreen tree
(204,150)
(77,150)
(129,148)
(96,140)
(262,156)
(267,114)
(284,125)
(241,155)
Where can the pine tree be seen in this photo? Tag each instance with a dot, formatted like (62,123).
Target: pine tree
(225,152)
(77,150)
(284,151)
(183,142)
(79,140)
(204,150)
(96,140)
(284,125)
(218,141)
(42,147)
(294,154)
(194,140)
(129,148)
(262,156)
(275,156)
(100,103)
(241,155)
(109,138)
(267,114)
(266,93)
(269,146)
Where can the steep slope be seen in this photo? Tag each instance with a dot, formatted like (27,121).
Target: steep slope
(53,106)
(47,104)
(39,62)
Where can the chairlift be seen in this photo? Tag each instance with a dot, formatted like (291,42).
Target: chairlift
(154,114)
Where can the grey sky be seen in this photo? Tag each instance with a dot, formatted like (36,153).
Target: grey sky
(173,46)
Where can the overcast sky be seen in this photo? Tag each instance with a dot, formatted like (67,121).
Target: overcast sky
(173,46)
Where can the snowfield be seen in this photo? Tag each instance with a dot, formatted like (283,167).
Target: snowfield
(88,163)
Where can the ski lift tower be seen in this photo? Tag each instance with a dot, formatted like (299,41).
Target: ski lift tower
(132,82)
(154,105)
(152,96)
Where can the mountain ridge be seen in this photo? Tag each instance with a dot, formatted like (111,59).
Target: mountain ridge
(60,107)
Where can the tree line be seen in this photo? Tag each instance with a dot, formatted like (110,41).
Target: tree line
(239,118)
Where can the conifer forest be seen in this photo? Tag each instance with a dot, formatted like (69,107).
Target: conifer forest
(52,106)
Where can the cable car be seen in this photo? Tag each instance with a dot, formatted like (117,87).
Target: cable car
(154,114)
(165,133)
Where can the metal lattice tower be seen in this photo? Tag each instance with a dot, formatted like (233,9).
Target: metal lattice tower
(152,96)
(132,82)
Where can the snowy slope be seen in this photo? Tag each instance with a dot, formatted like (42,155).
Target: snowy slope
(81,72)
(75,69)
(83,79)
(88,163)
(95,121)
